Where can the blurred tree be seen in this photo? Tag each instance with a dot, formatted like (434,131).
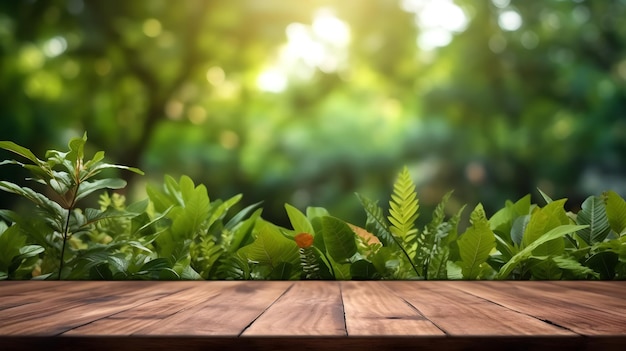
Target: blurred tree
(307,102)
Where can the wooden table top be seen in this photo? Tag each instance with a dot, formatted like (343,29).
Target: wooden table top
(329,315)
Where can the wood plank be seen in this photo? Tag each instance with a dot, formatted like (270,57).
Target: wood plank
(144,316)
(556,308)
(227,313)
(62,312)
(372,309)
(459,313)
(614,289)
(308,308)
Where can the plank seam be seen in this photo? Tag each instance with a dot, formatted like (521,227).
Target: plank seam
(157,297)
(415,309)
(264,310)
(343,309)
(522,313)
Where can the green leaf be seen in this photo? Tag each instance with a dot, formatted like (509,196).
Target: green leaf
(403,206)
(339,239)
(77,149)
(604,263)
(519,228)
(11,240)
(22,151)
(299,221)
(271,248)
(315,212)
(376,222)
(503,220)
(87,187)
(593,214)
(554,234)
(615,212)
(543,220)
(189,220)
(363,270)
(243,231)
(102,166)
(545,196)
(572,265)
(476,244)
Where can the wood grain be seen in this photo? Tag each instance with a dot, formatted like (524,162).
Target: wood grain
(459,313)
(372,309)
(228,312)
(308,308)
(565,307)
(325,315)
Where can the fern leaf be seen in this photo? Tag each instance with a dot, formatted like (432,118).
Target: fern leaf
(376,222)
(403,206)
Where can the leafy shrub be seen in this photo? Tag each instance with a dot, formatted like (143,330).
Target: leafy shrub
(178,232)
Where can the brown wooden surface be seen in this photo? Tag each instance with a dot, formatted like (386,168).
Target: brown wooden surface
(446,315)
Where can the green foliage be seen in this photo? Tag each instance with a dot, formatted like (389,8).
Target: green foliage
(178,232)
(68,176)
(475,245)
(593,214)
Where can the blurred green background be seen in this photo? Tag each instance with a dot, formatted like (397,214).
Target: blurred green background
(307,102)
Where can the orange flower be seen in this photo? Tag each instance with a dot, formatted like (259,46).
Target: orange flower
(304,240)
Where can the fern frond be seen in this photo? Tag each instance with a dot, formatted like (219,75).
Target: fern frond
(403,206)
(376,222)
(377,225)
(309,263)
(204,256)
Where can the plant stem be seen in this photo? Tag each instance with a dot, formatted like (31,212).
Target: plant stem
(66,230)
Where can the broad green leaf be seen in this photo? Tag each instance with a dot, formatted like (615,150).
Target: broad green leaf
(604,263)
(189,220)
(11,240)
(217,213)
(543,220)
(22,151)
(476,244)
(28,251)
(577,269)
(97,157)
(283,271)
(545,196)
(271,248)
(554,234)
(239,217)
(616,212)
(593,214)
(299,221)
(544,268)
(243,231)
(519,228)
(363,270)
(54,210)
(339,238)
(315,212)
(87,187)
(77,149)
(160,200)
(502,221)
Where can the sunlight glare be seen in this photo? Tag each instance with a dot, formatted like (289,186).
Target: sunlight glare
(437,20)
(510,20)
(272,80)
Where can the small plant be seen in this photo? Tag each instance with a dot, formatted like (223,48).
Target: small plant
(67,178)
